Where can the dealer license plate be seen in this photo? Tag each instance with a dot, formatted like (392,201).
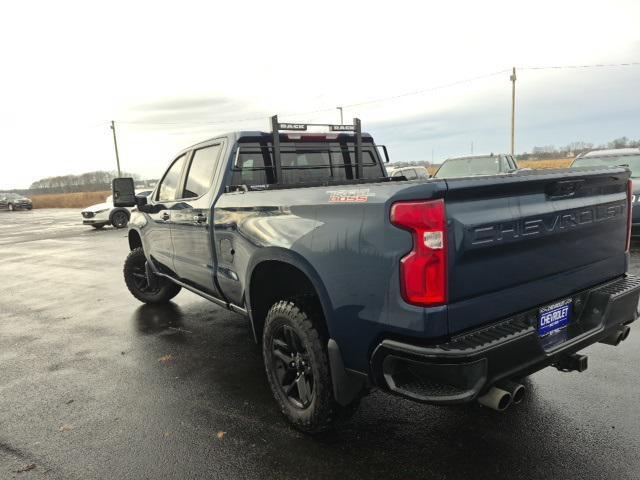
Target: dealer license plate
(555,317)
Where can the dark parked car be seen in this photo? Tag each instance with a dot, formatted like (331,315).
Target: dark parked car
(477,165)
(442,291)
(629,157)
(14,201)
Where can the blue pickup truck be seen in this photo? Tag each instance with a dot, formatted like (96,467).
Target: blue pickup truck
(443,291)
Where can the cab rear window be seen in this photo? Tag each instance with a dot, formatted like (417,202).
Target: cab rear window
(302,164)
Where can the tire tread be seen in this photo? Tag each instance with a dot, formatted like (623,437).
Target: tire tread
(167,291)
(326,411)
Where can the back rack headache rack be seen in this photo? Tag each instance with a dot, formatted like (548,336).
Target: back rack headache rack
(277,127)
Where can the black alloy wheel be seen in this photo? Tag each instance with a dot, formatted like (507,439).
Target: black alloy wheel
(135,276)
(293,368)
(139,276)
(120,219)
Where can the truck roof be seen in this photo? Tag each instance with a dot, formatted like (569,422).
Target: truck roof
(613,152)
(258,135)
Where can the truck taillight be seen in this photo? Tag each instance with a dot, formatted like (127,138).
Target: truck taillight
(629,213)
(423,271)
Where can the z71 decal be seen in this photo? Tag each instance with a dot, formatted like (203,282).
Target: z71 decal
(356,195)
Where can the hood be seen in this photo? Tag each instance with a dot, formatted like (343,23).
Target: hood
(98,206)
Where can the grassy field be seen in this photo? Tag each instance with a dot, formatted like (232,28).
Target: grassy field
(542,164)
(69,200)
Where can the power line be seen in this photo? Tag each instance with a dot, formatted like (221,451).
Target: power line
(430,89)
(322,110)
(594,65)
(387,98)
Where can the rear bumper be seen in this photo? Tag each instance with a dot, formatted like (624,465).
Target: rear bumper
(459,370)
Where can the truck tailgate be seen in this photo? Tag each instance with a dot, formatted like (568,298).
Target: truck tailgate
(518,241)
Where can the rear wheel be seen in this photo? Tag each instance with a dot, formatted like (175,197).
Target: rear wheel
(119,219)
(136,279)
(297,366)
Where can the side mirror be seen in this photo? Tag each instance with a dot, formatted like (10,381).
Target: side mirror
(124,192)
(141,201)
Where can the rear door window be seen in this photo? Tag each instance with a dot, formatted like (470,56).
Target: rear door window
(201,171)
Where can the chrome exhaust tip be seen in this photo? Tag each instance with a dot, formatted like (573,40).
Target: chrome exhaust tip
(516,390)
(496,399)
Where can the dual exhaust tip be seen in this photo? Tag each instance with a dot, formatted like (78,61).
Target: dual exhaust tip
(618,336)
(502,397)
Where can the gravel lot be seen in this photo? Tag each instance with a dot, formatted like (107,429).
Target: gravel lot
(95,385)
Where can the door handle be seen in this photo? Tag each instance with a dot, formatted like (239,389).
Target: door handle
(165,216)
(199,218)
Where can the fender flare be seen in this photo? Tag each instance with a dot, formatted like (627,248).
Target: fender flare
(296,260)
(135,231)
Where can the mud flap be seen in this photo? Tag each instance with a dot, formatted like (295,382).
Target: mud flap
(347,384)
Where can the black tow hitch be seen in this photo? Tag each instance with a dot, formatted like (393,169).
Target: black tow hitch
(573,363)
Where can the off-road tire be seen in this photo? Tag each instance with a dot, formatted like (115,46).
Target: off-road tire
(134,266)
(323,411)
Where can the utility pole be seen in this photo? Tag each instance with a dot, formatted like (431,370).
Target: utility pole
(115,144)
(341,120)
(513,111)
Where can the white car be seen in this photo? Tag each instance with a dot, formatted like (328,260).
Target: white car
(106,214)
(412,172)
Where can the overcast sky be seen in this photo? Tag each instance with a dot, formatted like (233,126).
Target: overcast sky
(174,75)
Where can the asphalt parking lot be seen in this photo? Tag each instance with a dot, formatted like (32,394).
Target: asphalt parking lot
(95,385)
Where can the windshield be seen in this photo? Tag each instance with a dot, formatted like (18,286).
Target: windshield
(11,196)
(465,167)
(611,161)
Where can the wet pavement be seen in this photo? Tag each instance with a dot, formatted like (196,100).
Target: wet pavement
(95,385)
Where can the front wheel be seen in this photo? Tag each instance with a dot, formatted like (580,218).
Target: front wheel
(297,366)
(119,219)
(135,277)
(11,207)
